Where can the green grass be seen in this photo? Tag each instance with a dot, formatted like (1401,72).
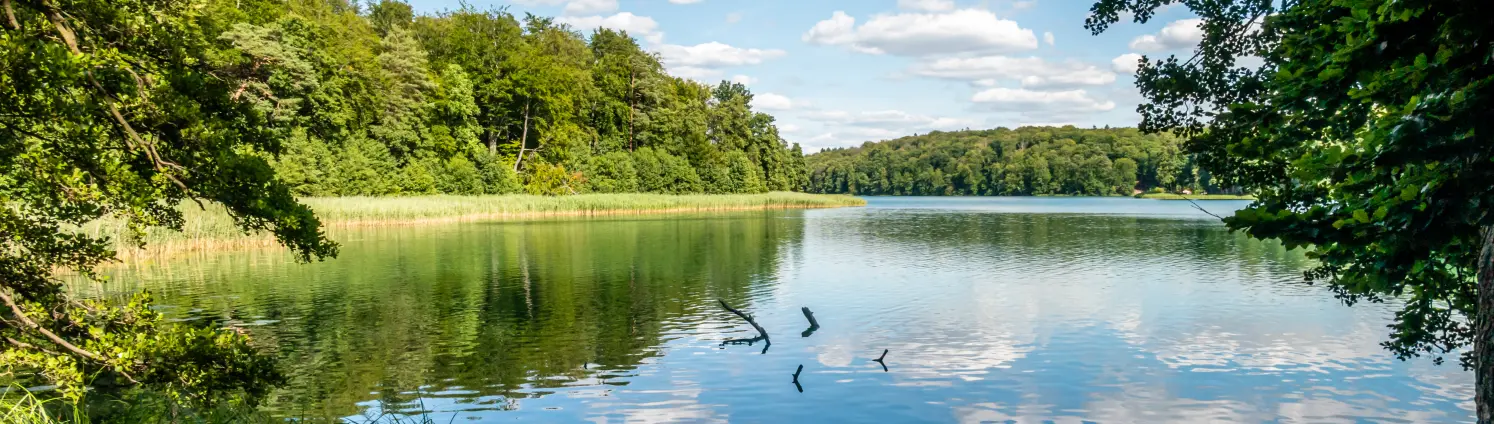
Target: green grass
(1172,196)
(21,406)
(212,229)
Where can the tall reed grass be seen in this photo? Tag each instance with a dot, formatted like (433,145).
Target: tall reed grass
(213,229)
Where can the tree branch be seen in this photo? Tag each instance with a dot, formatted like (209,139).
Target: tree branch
(749,320)
(10,15)
(21,315)
(813,324)
(133,138)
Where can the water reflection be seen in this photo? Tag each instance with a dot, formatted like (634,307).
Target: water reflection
(1104,310)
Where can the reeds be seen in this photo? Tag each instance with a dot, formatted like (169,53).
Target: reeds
(213,229)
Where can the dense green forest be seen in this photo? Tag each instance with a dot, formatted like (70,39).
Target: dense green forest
(1025,161)
(377,100)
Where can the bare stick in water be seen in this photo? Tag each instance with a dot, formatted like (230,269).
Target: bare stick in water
(749,320)
(882,360)
(813,325)
(796,378)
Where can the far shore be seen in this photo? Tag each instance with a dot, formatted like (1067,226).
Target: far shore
(213,230)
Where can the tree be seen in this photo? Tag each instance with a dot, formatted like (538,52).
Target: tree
(107,109)
(1364,133)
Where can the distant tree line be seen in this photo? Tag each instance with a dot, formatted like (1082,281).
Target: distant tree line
(377,100)
(1004,162)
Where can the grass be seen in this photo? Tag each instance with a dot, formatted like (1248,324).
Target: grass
(212,229)
(19,405)
(1172,196)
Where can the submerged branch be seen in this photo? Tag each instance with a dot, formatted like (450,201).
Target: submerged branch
(813,324)
(749,320)
(796,378)
(882,360)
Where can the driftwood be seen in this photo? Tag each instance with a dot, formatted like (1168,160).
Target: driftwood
(813,324)
(748,318)
(796,378)
(882,360)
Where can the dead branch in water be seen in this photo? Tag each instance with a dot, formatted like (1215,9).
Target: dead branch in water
(749,320)
(882,360)
(813,324)
(796,378)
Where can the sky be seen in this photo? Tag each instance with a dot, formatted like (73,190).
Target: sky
(837,73)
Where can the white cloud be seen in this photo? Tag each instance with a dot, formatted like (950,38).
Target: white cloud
(926,5)
(743,79)
(715,55)
(638,26)
(1126,63)
(788,128)
(733,17)
(770,101)
(1180,34)
(1031,72)
(1048,38)
(846,137)
(589,7)
(921,34)
(1023,100)
(705,75)
(1023,5)
(887,119)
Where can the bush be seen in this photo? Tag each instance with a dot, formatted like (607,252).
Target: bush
(613,173)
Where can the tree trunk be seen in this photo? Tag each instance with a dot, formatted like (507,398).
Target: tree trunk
(632,104)
(523,139)
(1484,334)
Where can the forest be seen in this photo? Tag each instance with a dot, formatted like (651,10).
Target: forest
(1027,161)
(378,100)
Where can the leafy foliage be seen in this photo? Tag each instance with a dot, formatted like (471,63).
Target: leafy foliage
(114,109)
(1364,134)
(385,102)
(1025,161)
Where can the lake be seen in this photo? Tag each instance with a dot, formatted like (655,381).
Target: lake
(990,310)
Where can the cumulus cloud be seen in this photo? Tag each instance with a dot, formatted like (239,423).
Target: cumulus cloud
(743,79)
(715,55)
(1177,35)
(771,101)
(706,75)
(1048,38)
(589,7)
(926,5)
(845,137)
(1031,72)
(921,34)
(1126,63)
(1023,100)
(887,119)
(638,26)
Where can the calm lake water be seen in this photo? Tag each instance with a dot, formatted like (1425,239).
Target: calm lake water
(991,310)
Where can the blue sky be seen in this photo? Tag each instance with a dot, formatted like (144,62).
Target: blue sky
(837,73)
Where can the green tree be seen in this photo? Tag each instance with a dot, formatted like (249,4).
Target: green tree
(1364,133)
(108,108)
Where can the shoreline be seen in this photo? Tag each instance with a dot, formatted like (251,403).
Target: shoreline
(212,230)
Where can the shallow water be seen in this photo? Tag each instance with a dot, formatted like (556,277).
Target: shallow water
(991,309)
